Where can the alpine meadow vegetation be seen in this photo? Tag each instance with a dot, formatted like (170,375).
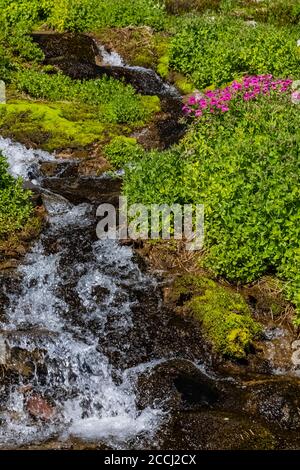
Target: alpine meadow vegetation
(238,62)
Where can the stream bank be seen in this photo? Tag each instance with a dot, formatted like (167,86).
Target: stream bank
(94,355)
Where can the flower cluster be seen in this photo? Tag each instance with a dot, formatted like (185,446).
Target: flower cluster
(247,89)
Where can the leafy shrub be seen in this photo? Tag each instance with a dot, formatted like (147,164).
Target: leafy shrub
(90,15)
(16,22)
(244,166)
(122,150)
(118,102)
(220,50)
(280,12)
(15,208)
(181,6)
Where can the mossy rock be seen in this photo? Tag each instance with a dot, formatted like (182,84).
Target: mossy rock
(16,244)
(52,126)
(224,314)
(184,85)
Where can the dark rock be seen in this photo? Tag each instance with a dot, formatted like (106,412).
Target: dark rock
(180,385)
(212,430)
(145,81)
(195,390)
(275,400)
(36,197)
(59,169)
(79,48)
(74,54)
(85,189)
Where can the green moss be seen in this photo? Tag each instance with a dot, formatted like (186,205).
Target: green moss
(143,60)
(162,44)
(224,314)
(58,125)
(184,85)
(151,104)
(50,125)
(163,66)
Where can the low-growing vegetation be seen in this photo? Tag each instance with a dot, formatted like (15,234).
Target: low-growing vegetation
(243,164)
(15,205)
(219,50)
(116,102)
(240,156)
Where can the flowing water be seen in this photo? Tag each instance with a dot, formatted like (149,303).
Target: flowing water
(150,78)
(70,286)
(88,350)
(69,313)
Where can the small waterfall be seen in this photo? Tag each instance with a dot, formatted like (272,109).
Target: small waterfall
(113,60)
(22,161)
(68,291)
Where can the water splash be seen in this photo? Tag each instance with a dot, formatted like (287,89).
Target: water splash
(65,294)
(22,161)
(111,58)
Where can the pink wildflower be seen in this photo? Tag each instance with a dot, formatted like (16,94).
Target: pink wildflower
(192,100)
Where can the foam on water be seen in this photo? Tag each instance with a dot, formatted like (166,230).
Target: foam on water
(111,58)
(22,161)
(89,402)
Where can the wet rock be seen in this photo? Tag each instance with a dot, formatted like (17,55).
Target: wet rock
(59,169)
(55,203)
(144,81)
(74,54)
(40,408)
(166,129)
(296,354)
(178,384)
(94,166)
(277,350)
(277,401)
(86,189)
(211,430)
(195,390)
(25,363)
(36,192)
(3,351)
